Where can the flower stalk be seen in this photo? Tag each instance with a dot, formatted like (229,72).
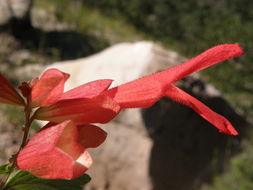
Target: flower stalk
(26,128)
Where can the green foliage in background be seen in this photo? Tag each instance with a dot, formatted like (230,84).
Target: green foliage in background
(239,176)
(91,21)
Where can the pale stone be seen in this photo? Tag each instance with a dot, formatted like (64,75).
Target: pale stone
(13,9)
(122,63)
(5,13)
(20,7)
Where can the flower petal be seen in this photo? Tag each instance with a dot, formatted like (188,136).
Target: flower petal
(8,94)
(206,59)
(100,109)
(88,90)
(54,153)
(220,122)
(91,136)
(138,93)
(145,91)
(49,88)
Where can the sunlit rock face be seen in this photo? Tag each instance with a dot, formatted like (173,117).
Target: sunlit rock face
(165,147)
(13,9)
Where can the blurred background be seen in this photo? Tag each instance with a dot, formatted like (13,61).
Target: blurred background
(37,33)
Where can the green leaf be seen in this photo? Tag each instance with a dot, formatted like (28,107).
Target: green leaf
(23,180)
(5,169)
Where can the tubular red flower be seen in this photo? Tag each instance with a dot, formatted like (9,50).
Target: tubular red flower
(206,59)
(133,94)
(146,91)
(90,136)
(100,105)
(221,123)
(8,94)
(49,88)
(59,151)
(88,90)
(100,109)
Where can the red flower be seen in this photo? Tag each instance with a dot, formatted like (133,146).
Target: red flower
(100,105)
(59,150)
(8,94)
(48,89)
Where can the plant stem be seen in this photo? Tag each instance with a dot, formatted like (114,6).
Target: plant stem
(26,128)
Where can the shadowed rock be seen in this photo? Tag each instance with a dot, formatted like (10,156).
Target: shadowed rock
(15,14)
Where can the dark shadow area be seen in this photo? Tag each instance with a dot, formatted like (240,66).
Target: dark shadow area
(187,150)
(62,44)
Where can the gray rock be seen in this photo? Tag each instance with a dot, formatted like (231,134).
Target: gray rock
(5,13)
(9,9)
